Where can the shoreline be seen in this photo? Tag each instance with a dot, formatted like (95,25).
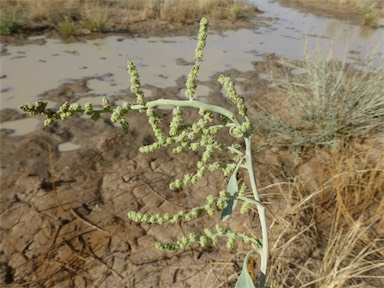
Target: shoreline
(370,17)
(145,28)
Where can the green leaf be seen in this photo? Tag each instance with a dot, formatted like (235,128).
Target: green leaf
(245,280)
(232,189)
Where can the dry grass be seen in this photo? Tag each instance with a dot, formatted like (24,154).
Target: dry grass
(332,236)
(97,15)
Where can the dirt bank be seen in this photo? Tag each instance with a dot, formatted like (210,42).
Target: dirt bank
(356,13)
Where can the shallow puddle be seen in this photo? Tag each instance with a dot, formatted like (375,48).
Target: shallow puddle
(292,30)
(29,70)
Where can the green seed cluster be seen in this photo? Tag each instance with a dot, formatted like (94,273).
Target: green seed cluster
(154,120)
(65,111)
(135,82)
(199,135)
(211,237)
(119,115)
(106,104)
(232,95)
(202,39)
(213,203)
(191,80)
(245,128)
(34,109)
(176,121)
(246,205)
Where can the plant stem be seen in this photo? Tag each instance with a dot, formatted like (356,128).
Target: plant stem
(182,103)
(189,103)
(261,210)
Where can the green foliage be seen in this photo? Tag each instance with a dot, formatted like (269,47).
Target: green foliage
(67,27)
(9,26)
(197,135)
(11,18)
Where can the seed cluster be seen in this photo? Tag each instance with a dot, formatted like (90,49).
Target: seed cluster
(201,135)
(191,80)
(212,203)
(212,237)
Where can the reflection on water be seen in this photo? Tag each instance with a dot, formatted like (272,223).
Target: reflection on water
(30,70)
(22,127)
(68,146)
(291,28)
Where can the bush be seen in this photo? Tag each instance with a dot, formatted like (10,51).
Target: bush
(67,28)
(8,26)
(329,102)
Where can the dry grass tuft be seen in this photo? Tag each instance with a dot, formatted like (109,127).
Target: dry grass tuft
(332,236)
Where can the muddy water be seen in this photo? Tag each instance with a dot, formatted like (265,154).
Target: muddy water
(292,31)
(28,71)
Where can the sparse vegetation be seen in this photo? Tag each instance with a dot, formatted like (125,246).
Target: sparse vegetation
(371,15)
(96,19)
(10,22)
(99,16)
(336,225)
(67,28)
(8,26)
(329,102)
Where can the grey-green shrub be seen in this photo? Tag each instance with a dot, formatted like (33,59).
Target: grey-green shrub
(329,102)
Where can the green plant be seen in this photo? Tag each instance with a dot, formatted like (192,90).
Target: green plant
(329,102)
(9,26)
(66,27)
(200,136)
(11,18)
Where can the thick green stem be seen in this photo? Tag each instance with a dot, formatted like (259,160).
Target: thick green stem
(261,210)
(189,103)
(180,103)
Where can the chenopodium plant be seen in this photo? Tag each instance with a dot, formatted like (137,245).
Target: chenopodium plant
(200,135)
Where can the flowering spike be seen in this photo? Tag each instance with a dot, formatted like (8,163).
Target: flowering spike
(191,80)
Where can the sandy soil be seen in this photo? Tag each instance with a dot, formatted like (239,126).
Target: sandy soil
(63,214)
